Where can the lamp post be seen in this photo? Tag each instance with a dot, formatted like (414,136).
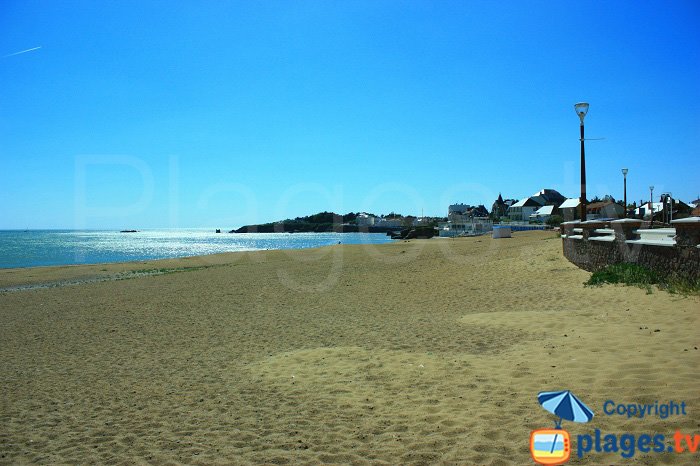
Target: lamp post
(651,204)
(668,199)
(624,174)
(581,110)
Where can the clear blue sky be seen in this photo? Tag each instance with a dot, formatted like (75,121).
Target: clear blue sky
(150,114)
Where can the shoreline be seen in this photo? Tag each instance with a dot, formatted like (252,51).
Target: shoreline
(243,249)
(23,274)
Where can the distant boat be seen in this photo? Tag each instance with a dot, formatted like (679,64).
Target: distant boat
(129,231)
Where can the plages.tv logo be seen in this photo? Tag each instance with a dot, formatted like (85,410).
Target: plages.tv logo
(553,446)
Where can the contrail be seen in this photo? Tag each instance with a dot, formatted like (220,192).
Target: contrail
(20,52)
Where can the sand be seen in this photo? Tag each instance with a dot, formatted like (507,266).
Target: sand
(417,352)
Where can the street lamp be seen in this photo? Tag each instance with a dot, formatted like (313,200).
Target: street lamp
(668,199)
(581,110)
(651,204)
(624,174)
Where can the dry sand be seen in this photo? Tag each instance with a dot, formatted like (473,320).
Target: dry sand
(416,352)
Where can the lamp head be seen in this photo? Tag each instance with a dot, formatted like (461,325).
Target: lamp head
(624,171)
(651,188)
(581,110)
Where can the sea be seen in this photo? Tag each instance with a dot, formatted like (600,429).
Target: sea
(34,248)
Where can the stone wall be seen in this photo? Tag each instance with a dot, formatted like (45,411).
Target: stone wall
(593,245)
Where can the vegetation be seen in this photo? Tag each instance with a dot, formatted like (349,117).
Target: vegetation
(606,198)
(159,271)
(637,275)
(554,220)
(320,222)
(326,218)
(682,286)
(628,274)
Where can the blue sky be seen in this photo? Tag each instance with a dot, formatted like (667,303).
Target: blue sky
(147,114)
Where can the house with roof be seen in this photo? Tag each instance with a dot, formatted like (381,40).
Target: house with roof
(669,208)
(604,209)
(675,208)
(644,210)
(465,220)
(694,207)
(521,210)
(467,211)
(524,208)
(458,208)
(478,211)
(464,225)
(386,222)
(549,197)
(364,219)
(569,209)
(544,213)
(500,206)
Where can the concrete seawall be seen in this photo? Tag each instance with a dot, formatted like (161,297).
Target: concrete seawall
(671,252)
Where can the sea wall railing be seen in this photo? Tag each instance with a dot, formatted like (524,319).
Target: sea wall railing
(595,244)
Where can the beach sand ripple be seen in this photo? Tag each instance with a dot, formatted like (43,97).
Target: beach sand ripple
(421,352)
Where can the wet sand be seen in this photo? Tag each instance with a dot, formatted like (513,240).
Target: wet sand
(417,352)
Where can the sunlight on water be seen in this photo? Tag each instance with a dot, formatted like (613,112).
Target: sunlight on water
(56,247)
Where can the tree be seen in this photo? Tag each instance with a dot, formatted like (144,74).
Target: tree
(350,217)
(554,220)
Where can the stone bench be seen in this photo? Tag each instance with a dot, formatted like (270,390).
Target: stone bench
(602,234)
(661,234)
(655,237)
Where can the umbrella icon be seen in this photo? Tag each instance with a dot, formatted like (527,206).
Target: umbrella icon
(565,405)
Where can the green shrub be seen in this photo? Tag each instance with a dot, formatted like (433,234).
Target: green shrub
(637,275)
(554,220)
(682,286)
(627,274)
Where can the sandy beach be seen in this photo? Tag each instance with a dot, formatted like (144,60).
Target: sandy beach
(420,352)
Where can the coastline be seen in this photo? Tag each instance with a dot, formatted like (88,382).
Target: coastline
(55,275)
(103,271)
(79,247)
(407,352)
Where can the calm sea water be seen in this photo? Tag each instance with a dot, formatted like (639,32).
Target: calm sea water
(60,247)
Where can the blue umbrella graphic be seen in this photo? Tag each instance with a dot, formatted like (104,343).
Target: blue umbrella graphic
(565,405)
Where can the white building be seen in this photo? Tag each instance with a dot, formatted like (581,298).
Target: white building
(524,208)
(463,225)
(542,214)
(521,210)
(644,210)
(569,209)
(388,223)
(365,220)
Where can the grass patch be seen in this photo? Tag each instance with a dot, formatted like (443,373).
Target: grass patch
(627,274)
(159,271)
(681,286)
(637,275)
